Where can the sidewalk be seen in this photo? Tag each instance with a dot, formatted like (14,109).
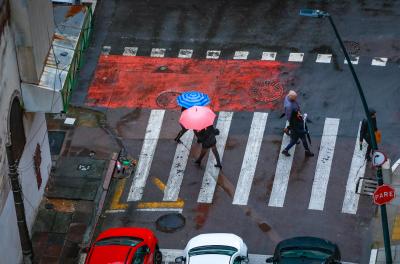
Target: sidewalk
(69,208)
(393,210)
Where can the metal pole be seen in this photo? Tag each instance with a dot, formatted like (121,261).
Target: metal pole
(26,244)
(374,145)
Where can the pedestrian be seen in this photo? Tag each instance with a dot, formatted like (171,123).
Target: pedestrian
(290,104)
(298,131)
(207,139)
(365,135)
(183,130)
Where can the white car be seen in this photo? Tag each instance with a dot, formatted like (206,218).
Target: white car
(214,248)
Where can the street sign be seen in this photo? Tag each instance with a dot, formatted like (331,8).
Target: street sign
(384,194)
(378,158)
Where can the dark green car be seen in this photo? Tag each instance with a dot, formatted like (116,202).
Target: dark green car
(308,250)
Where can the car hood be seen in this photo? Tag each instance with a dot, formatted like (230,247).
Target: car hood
(209,259)
(109,254)
(300,261)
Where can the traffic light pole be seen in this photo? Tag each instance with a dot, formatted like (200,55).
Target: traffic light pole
(26,244)
(374,145)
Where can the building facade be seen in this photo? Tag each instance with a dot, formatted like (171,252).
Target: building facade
(26,31)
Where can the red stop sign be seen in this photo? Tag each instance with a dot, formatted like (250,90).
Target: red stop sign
(384,194)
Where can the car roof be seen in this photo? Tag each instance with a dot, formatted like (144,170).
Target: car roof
(307,241)
(223,239)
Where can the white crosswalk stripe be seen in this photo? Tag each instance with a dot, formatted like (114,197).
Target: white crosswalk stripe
(357,169)
(282,174)
(146,155)
(172,189)
(250,158)
(323,170)
(211,174)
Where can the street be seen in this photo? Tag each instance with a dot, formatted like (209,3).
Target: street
(246,55)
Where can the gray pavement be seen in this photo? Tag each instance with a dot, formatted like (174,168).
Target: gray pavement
(326,90)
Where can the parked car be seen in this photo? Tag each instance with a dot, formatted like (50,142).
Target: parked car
(125,245)
(308,250)
(215,248)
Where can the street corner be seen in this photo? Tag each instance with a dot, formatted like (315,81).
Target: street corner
(147,82)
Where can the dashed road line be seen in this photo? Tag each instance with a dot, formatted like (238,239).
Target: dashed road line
(130,51)
(250,158)
(357,169)
(211,174)
(157,52)
(213,54)
(282,174)
(146,155)
(241,55)
(378,61)
(354,60)
(106,50)
(296,57)
(268,56)
(185,53)
(324,164)
(176,173)
(324,58)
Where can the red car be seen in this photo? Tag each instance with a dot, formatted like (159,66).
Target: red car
(125,245)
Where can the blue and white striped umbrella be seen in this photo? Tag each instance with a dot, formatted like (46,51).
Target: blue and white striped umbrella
(192,98)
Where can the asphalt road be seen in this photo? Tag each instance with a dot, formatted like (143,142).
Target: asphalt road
(326,90)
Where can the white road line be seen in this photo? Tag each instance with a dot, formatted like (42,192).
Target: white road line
(324,58)
(377,61)
(213,54)
(106,50)
(250,158)
(146,155)
(373,256)
(269,56)
(179,210)
(357,169)
(130,51)
(354,60)
(241,55)
(296,57)
(325,157)
(157,52)
(185,53)
(169,256)
(282,174)
(172,189)
(211,174)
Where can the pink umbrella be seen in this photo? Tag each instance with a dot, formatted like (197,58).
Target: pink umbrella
(197,117)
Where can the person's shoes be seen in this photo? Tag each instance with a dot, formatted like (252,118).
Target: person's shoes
(309,153)
(218,166)
(197,162)
(286,153)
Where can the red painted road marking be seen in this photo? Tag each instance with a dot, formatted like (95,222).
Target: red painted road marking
(233,85)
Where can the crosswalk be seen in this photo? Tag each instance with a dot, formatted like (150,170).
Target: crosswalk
(246,174)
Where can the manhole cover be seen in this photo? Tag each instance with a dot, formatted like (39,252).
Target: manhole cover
(170,223)
(168,100)
(352,47)
(266,90)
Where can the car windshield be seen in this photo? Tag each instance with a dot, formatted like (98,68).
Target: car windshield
(220,250)
(309,252)
(123,241)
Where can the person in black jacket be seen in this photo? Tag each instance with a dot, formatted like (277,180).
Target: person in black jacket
(297,131)
(183,130)
(365,135)
(207,139)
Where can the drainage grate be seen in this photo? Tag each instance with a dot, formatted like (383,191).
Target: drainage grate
(266,90)
(168,100)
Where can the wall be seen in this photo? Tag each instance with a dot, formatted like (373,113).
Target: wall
(36,133)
